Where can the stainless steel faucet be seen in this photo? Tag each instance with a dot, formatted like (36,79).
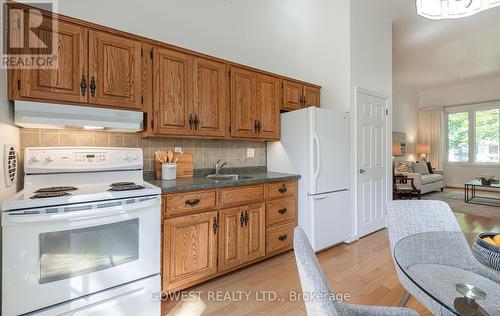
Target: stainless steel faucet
(218,166)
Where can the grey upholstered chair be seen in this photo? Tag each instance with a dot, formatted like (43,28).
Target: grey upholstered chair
(320,299)
(406,218)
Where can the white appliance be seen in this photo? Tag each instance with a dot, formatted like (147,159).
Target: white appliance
(83,237)
(315,144)
(44,115)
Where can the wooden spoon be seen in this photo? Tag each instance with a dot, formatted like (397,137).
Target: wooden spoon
(178,156)
(170,156)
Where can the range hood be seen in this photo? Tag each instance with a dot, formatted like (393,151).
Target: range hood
(47,115)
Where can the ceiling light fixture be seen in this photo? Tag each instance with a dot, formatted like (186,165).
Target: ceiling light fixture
(453,9)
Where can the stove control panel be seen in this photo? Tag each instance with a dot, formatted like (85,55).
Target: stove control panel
(71,159)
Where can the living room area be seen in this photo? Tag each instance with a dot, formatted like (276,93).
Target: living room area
(446,112)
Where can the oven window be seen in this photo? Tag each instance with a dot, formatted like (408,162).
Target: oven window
(70,253)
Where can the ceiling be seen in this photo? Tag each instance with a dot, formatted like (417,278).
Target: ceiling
(430,54)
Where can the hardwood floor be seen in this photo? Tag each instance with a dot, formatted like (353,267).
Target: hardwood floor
(363,270)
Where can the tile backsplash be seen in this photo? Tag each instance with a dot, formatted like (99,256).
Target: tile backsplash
(205,152)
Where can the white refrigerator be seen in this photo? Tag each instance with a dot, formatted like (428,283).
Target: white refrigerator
(315,144)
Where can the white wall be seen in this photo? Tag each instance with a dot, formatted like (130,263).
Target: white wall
(302,39)
(405,116)
(475,91)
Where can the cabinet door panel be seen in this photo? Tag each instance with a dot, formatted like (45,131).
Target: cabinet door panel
(210,97)
(292,95)
(62,83)
(172,93)
(190,249)
(254,233)
(312,96)
(115,65)
(243,107)
(230,238)
(268,108)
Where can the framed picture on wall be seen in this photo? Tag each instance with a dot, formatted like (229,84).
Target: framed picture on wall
(399,137)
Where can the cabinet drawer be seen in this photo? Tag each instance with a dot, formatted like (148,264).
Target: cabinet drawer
(187,202)
(279,238)
(281,189)
(241,195)
(281,211)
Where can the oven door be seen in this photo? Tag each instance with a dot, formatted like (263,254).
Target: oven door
(49,258)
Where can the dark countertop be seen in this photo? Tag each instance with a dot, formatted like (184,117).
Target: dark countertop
(201,183)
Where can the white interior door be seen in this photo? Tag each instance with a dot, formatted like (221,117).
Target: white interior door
(371,163)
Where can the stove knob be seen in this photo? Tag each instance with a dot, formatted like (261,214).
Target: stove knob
(134,157)
(125,157)
(35,158)
(49,158)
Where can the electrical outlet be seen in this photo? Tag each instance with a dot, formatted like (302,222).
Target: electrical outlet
(250,152)
(178,149)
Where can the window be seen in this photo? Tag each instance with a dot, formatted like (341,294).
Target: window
(458,137)
(473,134)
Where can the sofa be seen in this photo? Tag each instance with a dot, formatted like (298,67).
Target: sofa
(424,179)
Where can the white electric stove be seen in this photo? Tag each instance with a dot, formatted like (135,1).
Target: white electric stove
(83,237)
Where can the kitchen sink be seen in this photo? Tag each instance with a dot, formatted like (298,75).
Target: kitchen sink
(228,177)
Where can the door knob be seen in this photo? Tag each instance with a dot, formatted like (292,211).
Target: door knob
(362,170)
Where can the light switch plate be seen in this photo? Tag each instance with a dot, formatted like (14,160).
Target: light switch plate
(250,152)
(178,149)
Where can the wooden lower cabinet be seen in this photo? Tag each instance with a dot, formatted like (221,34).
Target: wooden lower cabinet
(241,235)
(224,236)
(254,232)
(190,249)
(231,223)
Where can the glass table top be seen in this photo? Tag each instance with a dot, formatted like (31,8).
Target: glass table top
(478,183)
(442,265)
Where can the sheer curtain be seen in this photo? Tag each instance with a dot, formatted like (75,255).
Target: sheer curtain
(431,132)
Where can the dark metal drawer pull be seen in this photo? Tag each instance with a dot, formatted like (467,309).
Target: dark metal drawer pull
(192,202)
(283,189)
(282,210)
(283,237)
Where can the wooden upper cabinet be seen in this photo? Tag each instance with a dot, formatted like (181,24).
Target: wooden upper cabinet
(297,95)
(172,97)
(311,96)
(230,238)
(190,252)
(243,105)
(268,106)
(62,83)
(210,98)
(292,95)
(254,237)
(114,70)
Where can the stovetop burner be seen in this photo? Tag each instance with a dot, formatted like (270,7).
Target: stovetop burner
(44,195)
(126,187)
(56,189)
(119,184)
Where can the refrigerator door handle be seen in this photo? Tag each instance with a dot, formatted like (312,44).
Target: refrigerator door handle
(320,197)
(317,158)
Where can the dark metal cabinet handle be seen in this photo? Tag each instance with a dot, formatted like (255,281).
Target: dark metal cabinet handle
(282,210)
(246,218)
(283,189)
(256,126)
(215,225)
(259,126)
(283,237)
(83,85)
(242,219)
(192,202)
(191,121)
(196,121)
(92,86)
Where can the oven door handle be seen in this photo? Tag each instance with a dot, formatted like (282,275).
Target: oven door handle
(81,215)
